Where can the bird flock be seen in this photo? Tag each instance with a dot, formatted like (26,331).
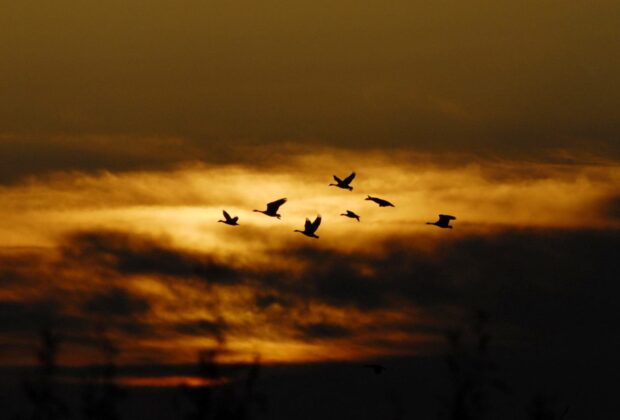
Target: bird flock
(310,227)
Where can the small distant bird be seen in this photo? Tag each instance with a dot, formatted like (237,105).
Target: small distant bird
(272,208)
(380,202)
(376,368)
(443,222)
(344,183)
(352,215)
(310,227)
(229,220)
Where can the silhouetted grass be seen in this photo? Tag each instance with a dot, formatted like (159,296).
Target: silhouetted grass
(543,407)
(100,393)
(473,374)
(473,391)
(232,401)
(45,404)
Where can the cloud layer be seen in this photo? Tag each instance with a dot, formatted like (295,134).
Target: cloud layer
(402,300)
(140,256)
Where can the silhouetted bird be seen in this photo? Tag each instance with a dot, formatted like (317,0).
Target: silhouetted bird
(229,220)
(376,368)
(352,215)
(443,222)
(380,202)
(310,227)
(272,208)
(344,183)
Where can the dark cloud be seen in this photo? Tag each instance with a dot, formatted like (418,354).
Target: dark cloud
(549,285)
(29,317)
(116,302)
(554,289)
(24,317)
(265,300)
(22,268)
(542,289)
(203,327)
(129,254)
(334,279)
(611,207)
(24,157)
(319,330)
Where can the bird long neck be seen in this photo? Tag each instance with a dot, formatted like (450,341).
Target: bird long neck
(258,211)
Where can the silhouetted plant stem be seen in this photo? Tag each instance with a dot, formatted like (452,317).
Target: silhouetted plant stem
(40,391)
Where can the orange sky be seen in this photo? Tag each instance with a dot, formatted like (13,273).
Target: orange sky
(127,127)
(75,229)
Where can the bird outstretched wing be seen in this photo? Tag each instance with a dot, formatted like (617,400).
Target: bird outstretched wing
(234,219)
(383,203)
(226,215)
(338,180)
(275,205)
(315,225)
(348,179)
(308,225)
(446,218)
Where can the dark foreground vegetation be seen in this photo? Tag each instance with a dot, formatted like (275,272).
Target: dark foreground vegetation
(470,382)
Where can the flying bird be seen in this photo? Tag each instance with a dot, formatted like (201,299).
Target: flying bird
(351,214)
(344,183)
(272,208)
(380,202)
(443,222)
(229,220)
(377,369)
(310,227)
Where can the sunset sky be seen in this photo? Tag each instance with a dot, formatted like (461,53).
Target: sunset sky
(126,128)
